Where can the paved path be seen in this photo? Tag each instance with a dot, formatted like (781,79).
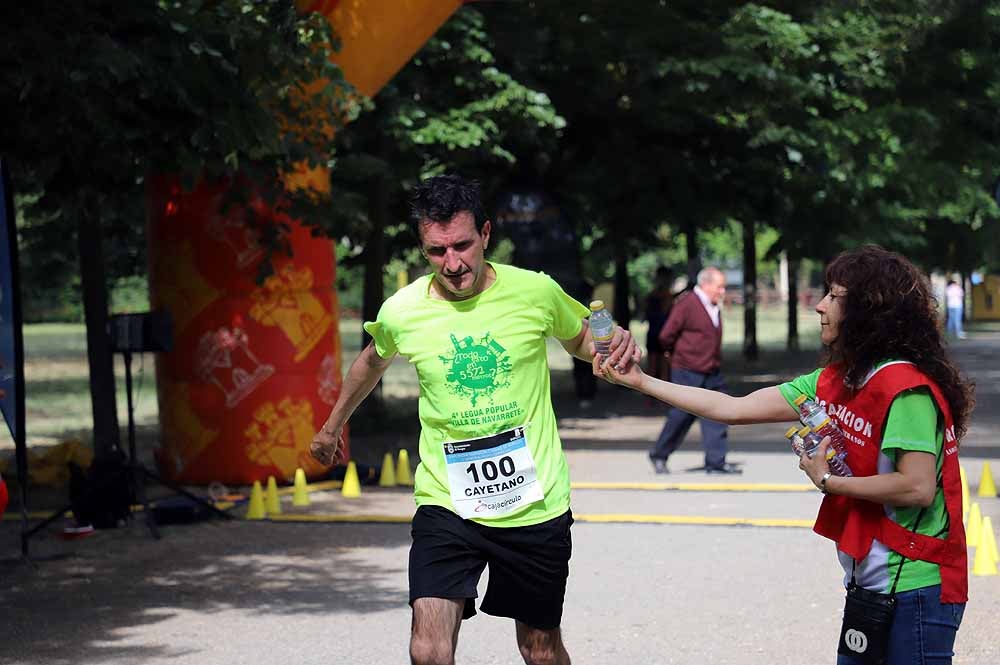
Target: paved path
(263,592)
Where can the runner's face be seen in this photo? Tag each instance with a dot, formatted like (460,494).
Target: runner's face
(831,313)
(457,252)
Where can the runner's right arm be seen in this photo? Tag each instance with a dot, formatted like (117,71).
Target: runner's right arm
(361,378)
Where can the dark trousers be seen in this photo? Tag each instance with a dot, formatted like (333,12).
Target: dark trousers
(584,380)
(713,434)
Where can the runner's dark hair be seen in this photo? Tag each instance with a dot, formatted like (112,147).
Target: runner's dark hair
(440,198)
(889,313)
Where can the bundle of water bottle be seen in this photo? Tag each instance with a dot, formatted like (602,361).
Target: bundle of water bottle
(816,425)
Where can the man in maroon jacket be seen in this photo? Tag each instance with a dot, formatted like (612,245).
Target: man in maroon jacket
(692,342)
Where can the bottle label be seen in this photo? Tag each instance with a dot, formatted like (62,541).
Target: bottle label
(815,419)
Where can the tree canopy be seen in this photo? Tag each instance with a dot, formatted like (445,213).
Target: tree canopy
(200,89)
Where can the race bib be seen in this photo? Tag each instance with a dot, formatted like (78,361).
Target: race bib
(492,476)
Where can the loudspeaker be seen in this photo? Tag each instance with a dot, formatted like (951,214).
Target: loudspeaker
(146,331)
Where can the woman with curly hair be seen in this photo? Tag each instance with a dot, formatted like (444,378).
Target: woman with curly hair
(902,408)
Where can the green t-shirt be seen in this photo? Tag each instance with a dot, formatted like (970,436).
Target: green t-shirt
(913,423)
(483,369)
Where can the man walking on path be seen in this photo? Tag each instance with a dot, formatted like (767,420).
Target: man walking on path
(954,299)
(692,342)
(492,486)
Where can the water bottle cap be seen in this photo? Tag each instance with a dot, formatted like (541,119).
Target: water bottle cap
(803,431)
(596,305)
(823,424)
(791,431)
(798,400)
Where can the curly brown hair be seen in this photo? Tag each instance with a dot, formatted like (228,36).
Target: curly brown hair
(889,313)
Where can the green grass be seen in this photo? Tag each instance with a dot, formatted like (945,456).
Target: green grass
(57,391)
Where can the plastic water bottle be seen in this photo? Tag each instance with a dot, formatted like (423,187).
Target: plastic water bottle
(830,429)
(810,411)
(795,440)
(814,416)
(601,327)
(810,442)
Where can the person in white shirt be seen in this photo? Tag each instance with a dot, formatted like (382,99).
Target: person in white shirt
(954,299)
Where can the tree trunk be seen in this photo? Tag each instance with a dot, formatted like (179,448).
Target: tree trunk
(693,261)
(374,289)
(373,292)
(750,349)
(621,307)
(793,304)
(103,401)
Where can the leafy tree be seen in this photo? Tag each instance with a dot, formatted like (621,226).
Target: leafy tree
(450,108)
(204,89)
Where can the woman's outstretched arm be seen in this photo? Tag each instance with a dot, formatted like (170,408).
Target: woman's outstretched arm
(761,406)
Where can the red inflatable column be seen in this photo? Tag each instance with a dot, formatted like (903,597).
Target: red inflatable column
(256,365)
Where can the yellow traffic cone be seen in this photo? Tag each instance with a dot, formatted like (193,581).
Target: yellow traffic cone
(301,495)
(388,475)
(965,495)
(975,526)
(351,488)
(988,539)
(986,486)
(403,476)
(984,564)
(272,502)
(255,511)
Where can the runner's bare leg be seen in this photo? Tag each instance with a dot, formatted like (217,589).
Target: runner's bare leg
(434,631)
(541,647)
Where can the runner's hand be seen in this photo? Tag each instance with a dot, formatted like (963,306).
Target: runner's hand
(327,446)
(623,352)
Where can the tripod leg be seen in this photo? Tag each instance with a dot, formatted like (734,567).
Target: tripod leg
(139,485)
(136,478)
(194,497)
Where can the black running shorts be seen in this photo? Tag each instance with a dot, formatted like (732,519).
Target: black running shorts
(528,565)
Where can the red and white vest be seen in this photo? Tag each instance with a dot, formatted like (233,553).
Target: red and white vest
(854,523)
(3,496)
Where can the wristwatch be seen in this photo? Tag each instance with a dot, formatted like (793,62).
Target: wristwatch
(822,482)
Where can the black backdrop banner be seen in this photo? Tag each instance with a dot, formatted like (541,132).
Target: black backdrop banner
(11,341)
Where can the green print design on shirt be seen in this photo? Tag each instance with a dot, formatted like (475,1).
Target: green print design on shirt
(476,370)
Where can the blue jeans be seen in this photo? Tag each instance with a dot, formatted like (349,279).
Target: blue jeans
(923,630)
(955,321)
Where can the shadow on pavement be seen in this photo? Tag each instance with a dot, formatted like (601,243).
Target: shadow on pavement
(80,601)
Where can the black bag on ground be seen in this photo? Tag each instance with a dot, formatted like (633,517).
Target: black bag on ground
(101,496)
